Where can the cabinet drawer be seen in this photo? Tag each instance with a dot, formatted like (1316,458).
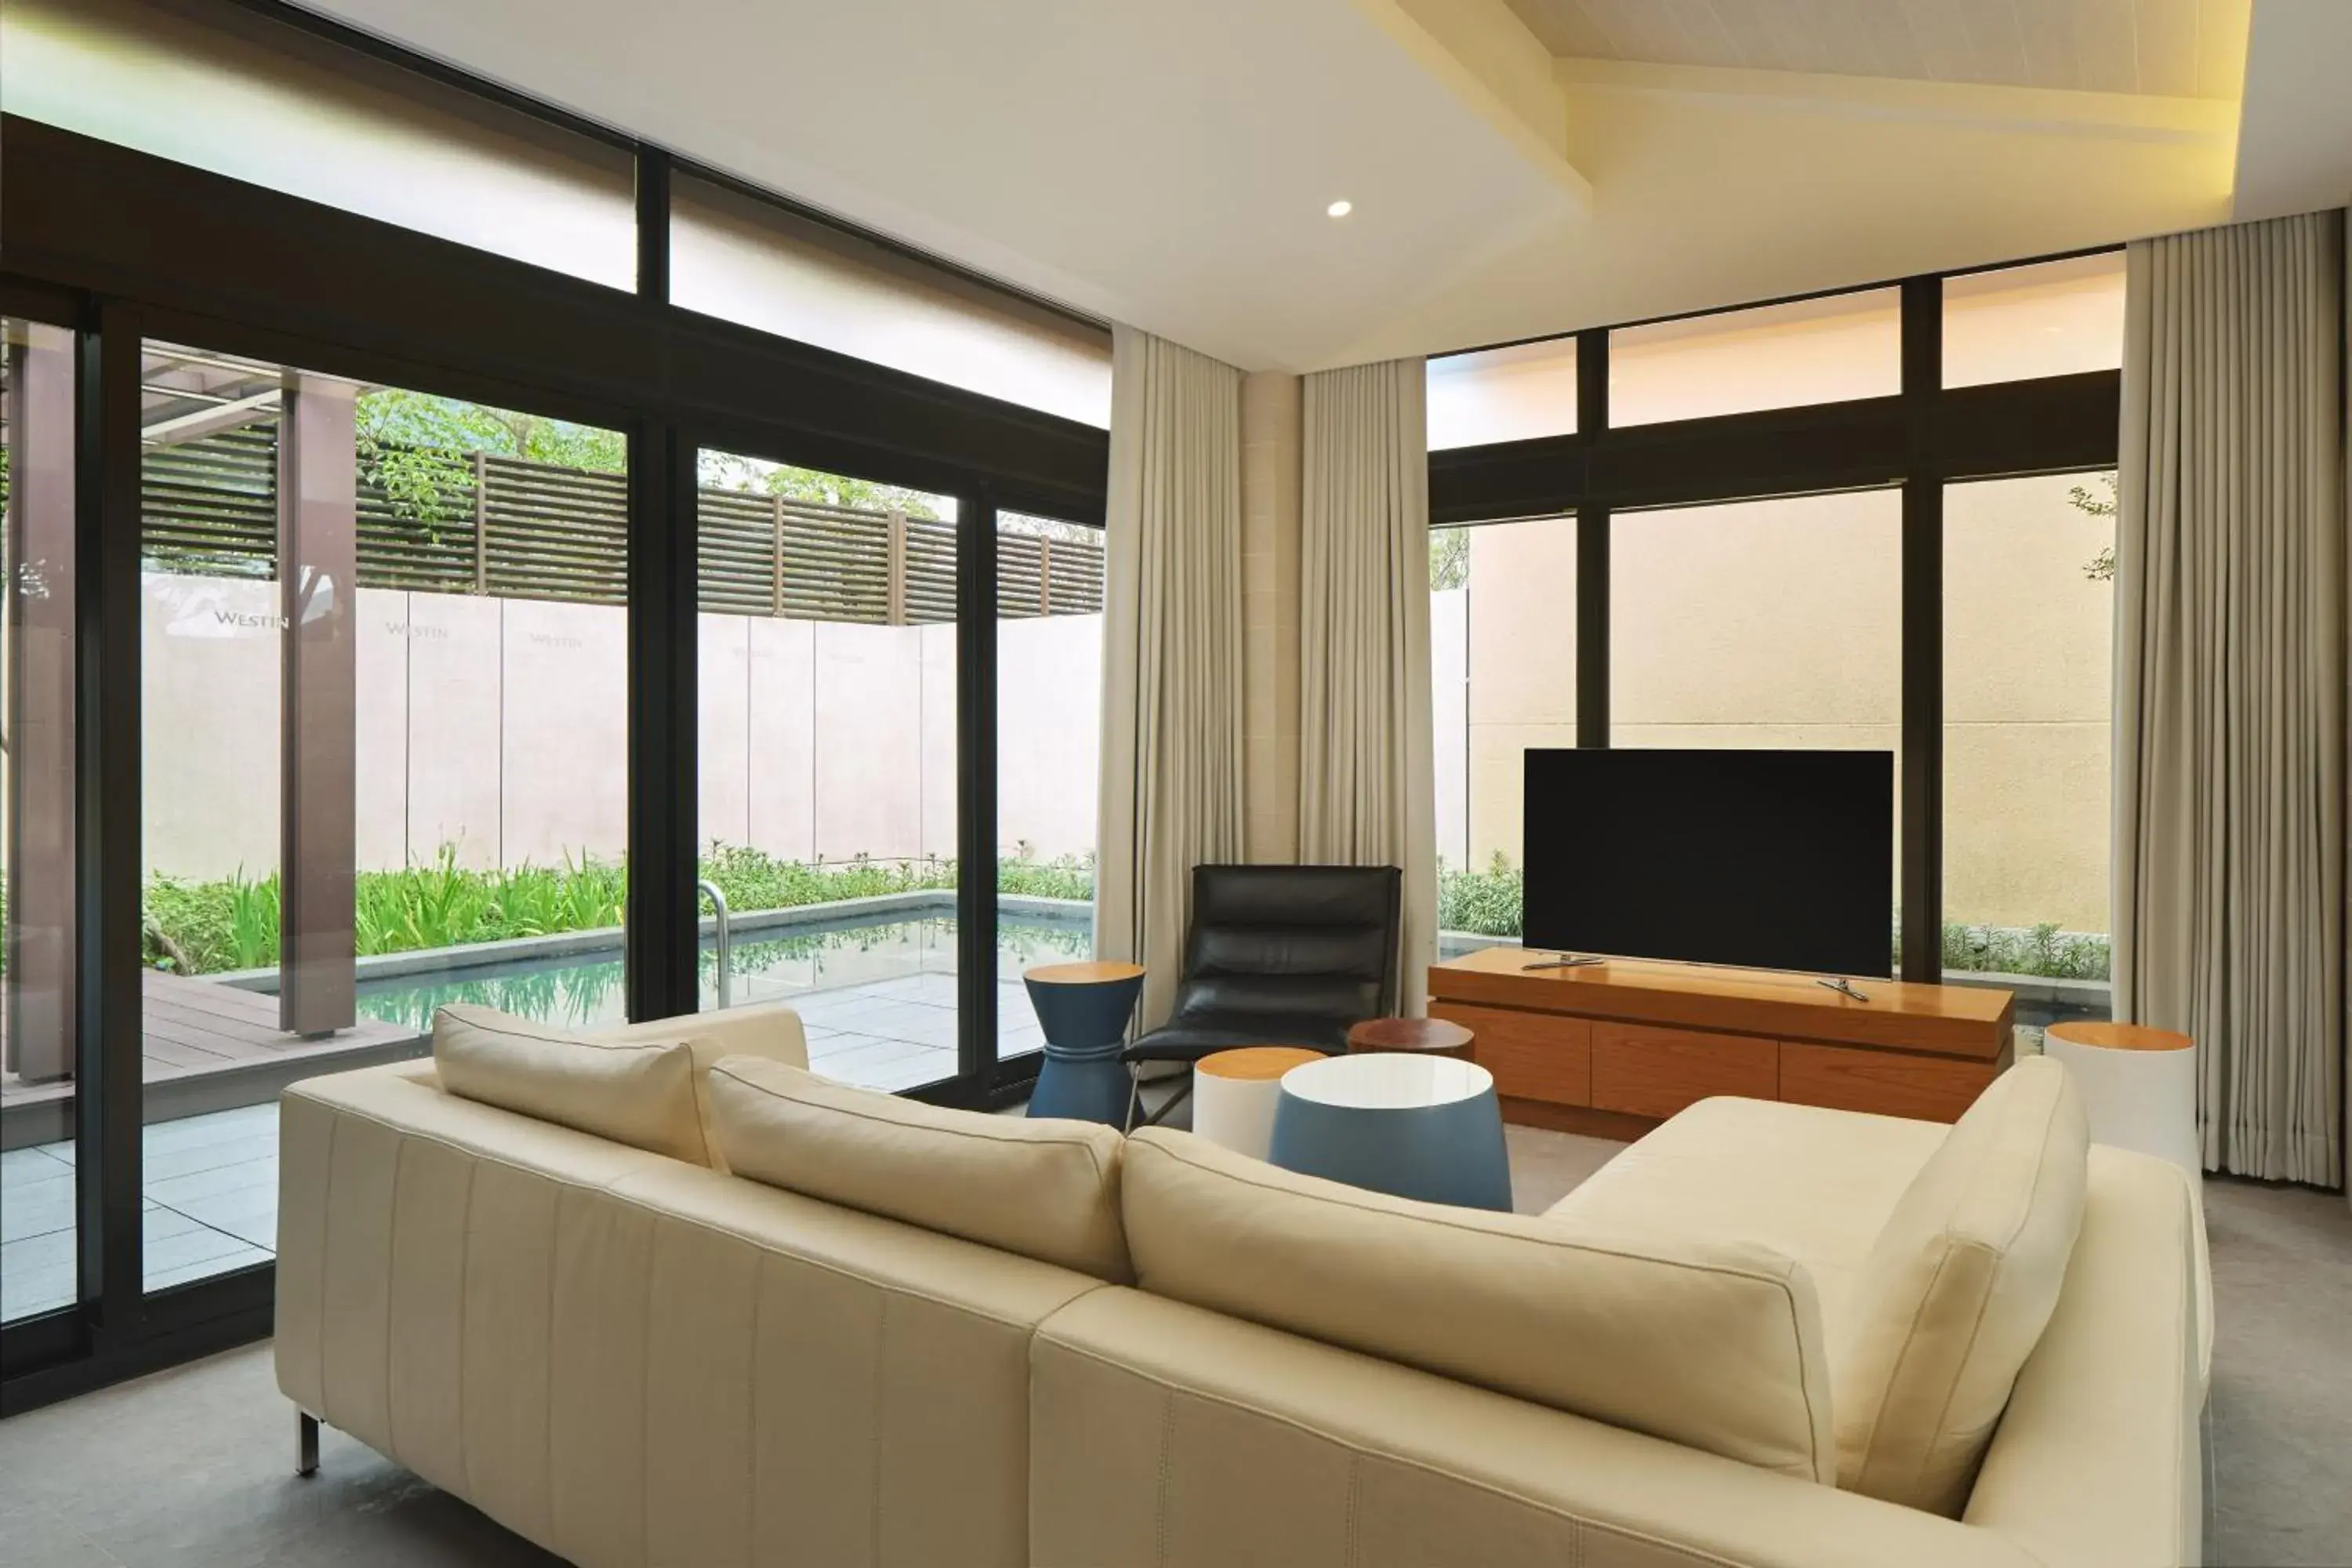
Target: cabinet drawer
(1928,1088)
(1648,1072)
(1533,1056)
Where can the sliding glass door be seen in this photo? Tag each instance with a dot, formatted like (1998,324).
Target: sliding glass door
(384,740)
(39,1228)
(1049,643)
(826,781)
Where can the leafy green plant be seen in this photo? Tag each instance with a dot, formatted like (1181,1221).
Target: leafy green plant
(1486,903)
(232,922)
(1489,902)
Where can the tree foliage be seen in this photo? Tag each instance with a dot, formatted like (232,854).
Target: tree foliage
(1449,558)
(725,470)
(2100,568)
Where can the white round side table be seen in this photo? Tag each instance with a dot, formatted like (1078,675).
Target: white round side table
(2139,1092)
(2138,1086)
(1234,1093)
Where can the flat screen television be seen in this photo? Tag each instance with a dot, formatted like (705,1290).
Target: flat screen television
(1780,859)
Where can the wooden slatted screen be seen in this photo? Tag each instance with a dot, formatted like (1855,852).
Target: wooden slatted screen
(535,531)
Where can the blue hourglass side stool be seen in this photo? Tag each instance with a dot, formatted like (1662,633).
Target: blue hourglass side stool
(1083,1009)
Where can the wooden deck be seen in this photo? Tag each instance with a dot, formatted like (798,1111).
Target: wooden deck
(207,1046)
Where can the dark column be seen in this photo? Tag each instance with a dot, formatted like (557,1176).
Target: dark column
(1923,636)
(39,567)
(975,787)
(663,930)
(1592,534)
(317,577)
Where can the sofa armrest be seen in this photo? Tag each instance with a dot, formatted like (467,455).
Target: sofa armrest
(1165,1434)
(2098,1459)
(770,1029)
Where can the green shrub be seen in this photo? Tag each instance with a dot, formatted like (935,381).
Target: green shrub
(231,923)
(1487,904)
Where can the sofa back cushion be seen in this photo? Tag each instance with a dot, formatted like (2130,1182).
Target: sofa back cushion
(638,1092)
(767,1029)
(1956,1289)
(1046,1189)
(1715,1345)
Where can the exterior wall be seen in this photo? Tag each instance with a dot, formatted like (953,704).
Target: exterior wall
(499,728)
(1778,624)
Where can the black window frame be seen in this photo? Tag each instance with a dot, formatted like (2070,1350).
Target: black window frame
(1916,442)
(122,246)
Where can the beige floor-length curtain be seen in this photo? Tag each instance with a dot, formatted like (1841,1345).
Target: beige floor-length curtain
(1172,717)
(2229,681)
(1366,772)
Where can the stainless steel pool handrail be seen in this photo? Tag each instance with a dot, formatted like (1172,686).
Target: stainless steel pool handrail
(725,946)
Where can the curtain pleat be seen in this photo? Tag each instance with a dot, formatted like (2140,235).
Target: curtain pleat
(1171,715)
(1367,784)
(2231,681)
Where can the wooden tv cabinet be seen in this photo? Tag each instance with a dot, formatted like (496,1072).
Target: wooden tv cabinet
(1615,1049)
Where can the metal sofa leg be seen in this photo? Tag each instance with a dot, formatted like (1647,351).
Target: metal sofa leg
(1134,1094)
(305,1443)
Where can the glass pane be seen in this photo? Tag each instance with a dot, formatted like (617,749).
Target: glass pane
(2029,613)
(258,101)
(827,760)
(751,262)
(1502,394)
(2054,317)
(1777,356)
(1502,657)
(38,1220)
(384,721)
(1764,624)
(1049,642)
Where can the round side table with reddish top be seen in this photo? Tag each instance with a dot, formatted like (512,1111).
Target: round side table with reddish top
(1419,1036)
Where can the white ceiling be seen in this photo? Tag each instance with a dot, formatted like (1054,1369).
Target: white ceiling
(2178,48)
(1168,165)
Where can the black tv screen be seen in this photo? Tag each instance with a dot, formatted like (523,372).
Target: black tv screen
(1761,860)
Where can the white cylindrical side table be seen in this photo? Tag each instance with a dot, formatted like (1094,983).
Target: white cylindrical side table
(2139,1092)
(1234,1093)
(2138,1085)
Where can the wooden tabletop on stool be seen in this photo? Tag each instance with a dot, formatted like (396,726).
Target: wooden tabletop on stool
(1255,1063)
(1432,1036)
(2103,1036)
(1093,972)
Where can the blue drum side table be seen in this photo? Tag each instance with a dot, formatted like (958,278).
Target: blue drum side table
(1083,1009)
(1414,1126)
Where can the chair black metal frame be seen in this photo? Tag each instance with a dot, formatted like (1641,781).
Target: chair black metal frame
(1250,977)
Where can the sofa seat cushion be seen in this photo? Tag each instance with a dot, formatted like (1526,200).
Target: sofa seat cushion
(1045,1188)
(1714,1344)
(640,1092)
(1814,1185)
(1957,1291)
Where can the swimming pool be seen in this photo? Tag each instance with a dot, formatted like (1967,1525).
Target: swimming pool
(877,992)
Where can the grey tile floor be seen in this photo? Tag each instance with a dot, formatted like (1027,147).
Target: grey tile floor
(211,1182)
(210,1205)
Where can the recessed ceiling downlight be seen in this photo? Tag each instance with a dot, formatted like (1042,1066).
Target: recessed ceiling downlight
(1340,208)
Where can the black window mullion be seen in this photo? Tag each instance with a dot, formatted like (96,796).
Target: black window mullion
(108,1026)
(1923,635)
(662,940)
(1592,526)
(976,788)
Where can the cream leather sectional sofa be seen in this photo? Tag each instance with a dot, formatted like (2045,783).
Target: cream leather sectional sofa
(701,1308)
